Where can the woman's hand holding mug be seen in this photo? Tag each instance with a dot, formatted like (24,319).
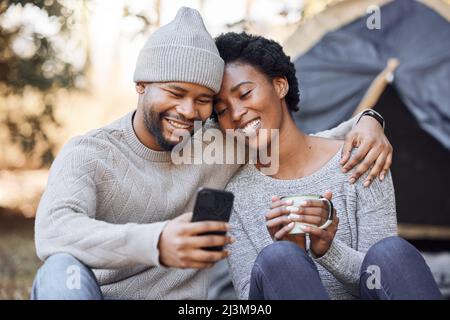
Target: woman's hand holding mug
(321,235)
(279,223)
(289,218)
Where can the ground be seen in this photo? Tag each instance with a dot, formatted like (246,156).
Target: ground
(18,260)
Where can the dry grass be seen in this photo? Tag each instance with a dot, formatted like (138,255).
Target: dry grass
(18,261)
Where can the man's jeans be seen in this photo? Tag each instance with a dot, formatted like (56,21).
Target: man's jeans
(63,277)
(283,270)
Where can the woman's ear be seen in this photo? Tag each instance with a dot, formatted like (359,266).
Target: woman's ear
(140,87)
(281,86)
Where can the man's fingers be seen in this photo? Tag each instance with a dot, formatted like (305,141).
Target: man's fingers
(208,241)
(205,226)
(363,149)
(284,231)
(200,255)
(197,265)
(186,217)
(387,165)
(364,166)
(376,169)
(347,149)
(200,265)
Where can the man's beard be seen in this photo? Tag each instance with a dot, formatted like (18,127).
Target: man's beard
(153,123)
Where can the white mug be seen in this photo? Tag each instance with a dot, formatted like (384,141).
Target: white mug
(297,200)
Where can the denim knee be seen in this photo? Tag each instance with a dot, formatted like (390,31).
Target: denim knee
(280,253)
(53,279)
(283,270)
(62,263)
(404,273)
(388,250)
(59,263)
(62,258)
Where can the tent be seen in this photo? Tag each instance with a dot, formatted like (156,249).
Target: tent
(337,56)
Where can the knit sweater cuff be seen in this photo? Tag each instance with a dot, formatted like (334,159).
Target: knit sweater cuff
(333,255)
(342,261)
(144,244)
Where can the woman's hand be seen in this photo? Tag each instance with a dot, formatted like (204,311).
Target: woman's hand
(321,239)
(374,150)
(279,224)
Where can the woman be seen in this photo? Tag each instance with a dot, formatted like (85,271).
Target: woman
(359,255)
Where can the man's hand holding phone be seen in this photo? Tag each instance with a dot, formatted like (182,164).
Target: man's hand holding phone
(181,243)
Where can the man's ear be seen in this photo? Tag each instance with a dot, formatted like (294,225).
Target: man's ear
(140,87)
(281,86)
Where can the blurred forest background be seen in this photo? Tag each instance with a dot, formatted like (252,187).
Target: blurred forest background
(66,67)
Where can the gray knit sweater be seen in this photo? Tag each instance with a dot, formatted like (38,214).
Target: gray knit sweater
(107,200)
(366,216)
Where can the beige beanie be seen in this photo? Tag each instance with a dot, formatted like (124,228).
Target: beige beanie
(181,51)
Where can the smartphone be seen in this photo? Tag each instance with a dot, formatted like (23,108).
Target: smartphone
(213,205)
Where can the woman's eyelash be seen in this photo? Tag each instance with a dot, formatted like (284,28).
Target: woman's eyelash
(246,94)
(221,111)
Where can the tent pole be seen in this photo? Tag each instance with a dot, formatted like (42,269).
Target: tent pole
(377,86)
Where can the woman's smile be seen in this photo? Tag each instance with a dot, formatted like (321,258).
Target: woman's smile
(250,128)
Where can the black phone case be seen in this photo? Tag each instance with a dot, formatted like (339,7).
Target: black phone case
(213,205)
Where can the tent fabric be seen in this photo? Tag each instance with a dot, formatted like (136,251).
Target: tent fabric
(309,32)
(336,72)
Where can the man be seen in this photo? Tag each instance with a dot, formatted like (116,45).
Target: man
(114,220)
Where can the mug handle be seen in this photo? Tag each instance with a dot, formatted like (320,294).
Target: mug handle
(330,213)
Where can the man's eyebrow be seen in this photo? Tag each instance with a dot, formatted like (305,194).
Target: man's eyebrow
(183,90)
(239,84)
(207,95)
(175,87)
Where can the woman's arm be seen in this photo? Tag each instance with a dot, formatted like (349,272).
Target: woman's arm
(376,219)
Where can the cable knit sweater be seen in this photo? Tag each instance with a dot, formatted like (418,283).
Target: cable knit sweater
(366,215)
(107,200)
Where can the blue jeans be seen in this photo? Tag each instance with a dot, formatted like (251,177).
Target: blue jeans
(63,277)
(283,270)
